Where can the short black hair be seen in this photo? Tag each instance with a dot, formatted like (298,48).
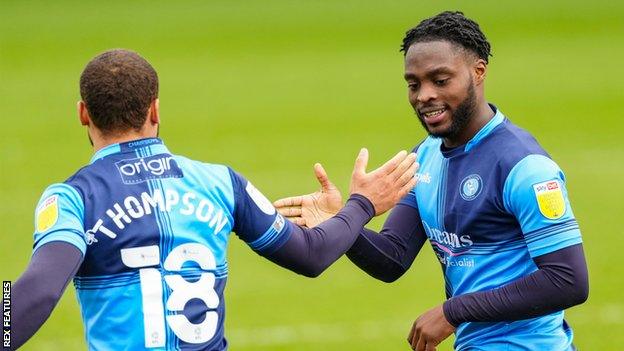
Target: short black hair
(118,87)
(452,26)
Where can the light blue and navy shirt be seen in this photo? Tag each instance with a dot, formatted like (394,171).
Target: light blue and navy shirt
(487,209)
(153,228)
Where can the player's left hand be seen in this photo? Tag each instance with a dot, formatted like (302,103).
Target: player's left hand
(311,209)
(429,330)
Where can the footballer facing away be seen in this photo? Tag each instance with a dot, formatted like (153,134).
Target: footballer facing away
(490,201)
(143,232)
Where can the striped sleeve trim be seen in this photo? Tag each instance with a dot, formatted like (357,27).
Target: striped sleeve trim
(273,238)
(72,237)
(553,238)
(551,230)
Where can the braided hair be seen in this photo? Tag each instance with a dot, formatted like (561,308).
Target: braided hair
(452,26)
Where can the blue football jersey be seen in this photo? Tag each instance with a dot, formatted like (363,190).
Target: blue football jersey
(154,228)
(487,208)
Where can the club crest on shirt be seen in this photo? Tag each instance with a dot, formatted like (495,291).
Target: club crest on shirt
(470,187)
(47,213)
(550,199)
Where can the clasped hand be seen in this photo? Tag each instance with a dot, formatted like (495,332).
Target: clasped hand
(383,187)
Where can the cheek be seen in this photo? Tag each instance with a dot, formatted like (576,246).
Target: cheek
(412,97)
(453,95)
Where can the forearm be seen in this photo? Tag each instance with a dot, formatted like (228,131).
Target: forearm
(389,254)
(560,282)
(39,288)
(309,251)
(374,260)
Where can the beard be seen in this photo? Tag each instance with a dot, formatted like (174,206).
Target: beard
(459,118)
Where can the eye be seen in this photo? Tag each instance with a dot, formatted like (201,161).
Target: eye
(412,86)
(441,82)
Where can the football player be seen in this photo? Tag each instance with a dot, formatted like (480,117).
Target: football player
(144,232)
(491,202)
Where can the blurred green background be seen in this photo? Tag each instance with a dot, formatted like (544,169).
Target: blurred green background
(269,88)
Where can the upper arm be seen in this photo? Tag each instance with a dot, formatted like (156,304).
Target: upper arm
(404,232)
(535,193)
(256,220)
(388,255)
(59,216)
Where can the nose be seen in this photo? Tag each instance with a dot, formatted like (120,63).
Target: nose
(425,94)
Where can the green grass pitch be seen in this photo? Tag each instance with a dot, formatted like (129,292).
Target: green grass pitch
(269,88)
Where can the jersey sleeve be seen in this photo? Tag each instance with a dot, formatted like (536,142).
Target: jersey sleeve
(535,193)
(410,198)
(256,221)
(59,216)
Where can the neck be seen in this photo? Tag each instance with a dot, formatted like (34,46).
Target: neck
(482,115)
(100,141)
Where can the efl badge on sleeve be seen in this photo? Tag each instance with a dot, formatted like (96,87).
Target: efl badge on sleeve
(550,199)
(47,213)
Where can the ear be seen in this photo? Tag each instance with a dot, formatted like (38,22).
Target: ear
(153,113)
(83,114)
(479,71)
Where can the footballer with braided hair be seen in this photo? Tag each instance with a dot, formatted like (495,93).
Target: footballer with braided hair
(491,202)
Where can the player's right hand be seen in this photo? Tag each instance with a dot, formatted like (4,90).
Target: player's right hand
(386,185)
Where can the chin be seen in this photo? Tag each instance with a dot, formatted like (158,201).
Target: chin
(439,131)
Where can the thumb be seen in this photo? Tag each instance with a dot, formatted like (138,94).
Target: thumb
(321,176)
(361,162)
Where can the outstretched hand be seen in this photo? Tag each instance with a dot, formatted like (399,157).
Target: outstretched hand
(311,209)
(383,187)
(386,185)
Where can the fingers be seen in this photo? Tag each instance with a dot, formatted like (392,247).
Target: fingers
(393,163)
(410,337)
(421,344)
(321,176)
(289,201)
(290,211)
(361,162)
(405,167)
(407,187)
(297,220)
(430,346)
(408,174)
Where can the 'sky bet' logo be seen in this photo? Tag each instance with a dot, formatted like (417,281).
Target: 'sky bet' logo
(47,213)
(550,199)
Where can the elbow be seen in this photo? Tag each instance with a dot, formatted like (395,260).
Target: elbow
(387,275)
(577,293)
(581,294)
(48,301)
(310,273)
(312,270)
(581,288)
(390,278)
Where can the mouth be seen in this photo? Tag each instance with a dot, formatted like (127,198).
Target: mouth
(434,116)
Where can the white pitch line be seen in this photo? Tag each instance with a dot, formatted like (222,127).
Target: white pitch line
(315,333)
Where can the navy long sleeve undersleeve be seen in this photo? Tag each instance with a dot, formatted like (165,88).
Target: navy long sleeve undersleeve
(309,251)
(389,254)
(560,282)
(40,287)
